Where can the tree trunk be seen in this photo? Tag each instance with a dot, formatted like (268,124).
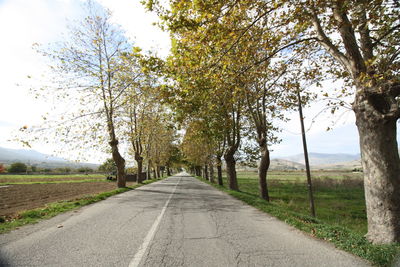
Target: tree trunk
(262,171)
(169,171)
(381,166)
(197,170)
(219,171)
(231,170)
(148,175)
(120,162)
(158,172)
(212,172)
(155,173)
(206,172)
(148,170)
(139,161)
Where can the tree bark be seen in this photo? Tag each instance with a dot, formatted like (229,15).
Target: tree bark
(168,171)
(381,166)
(219,171)
(262,171)
(231,169)
(120,162)
(148,170)
(155,173)
(197,170)
(139,161)
(206,172)
(158,172)
(212,180)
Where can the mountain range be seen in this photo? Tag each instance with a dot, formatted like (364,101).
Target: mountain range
(32,157)
(317,161)
(294,162)
(323,159)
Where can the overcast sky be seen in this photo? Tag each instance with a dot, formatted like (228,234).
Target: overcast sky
(43,21)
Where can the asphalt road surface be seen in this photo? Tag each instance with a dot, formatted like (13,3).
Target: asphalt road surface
(178,221)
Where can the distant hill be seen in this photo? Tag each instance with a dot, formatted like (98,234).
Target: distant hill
(283,165)
(317,159)
(348,165)
(32,157)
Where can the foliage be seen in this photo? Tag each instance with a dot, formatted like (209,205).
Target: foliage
(85,170)
(17,167)
(108,166)
(2,168)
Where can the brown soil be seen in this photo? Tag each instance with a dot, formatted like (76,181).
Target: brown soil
(52,179)
(16,198)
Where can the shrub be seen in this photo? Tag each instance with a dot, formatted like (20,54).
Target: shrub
(17,167)
(85,170)
(108,166)
(2,168)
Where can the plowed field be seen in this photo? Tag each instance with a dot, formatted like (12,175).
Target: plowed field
(19,197)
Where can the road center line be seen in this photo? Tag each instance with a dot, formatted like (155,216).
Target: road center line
(150,235)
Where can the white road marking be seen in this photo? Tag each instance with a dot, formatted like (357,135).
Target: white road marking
(150,235)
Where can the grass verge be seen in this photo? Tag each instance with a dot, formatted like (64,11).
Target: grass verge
(53,209)
(343,238)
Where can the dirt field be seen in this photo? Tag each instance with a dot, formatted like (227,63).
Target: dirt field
(16,198)
(60,178)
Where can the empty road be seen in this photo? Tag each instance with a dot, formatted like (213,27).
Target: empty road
(178,221)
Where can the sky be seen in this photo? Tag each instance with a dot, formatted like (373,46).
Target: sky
(43,21)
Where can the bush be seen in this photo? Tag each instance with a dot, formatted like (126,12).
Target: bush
(85,170)
(108,166)
(2,168)
(17,167)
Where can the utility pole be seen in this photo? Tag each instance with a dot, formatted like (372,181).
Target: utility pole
(303,134)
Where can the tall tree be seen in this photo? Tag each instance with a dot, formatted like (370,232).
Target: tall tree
(362,39)
(89,71)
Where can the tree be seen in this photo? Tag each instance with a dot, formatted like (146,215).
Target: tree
(90,68)
(108,166)
(196,146)
(17,167)
(360,40)
(201,92)
(140,106)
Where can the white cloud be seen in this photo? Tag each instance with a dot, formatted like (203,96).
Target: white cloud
(138,24)
(24,23)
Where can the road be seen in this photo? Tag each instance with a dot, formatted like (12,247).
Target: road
(178,221)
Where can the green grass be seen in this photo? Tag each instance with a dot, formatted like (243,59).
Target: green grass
(340,209)
(53,209)
(336,193)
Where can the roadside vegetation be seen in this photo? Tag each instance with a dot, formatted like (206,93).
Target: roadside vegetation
(339,196)
(340,209)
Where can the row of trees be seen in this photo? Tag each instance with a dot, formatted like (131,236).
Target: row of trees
(235,66)
(19,167)
(107,91)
